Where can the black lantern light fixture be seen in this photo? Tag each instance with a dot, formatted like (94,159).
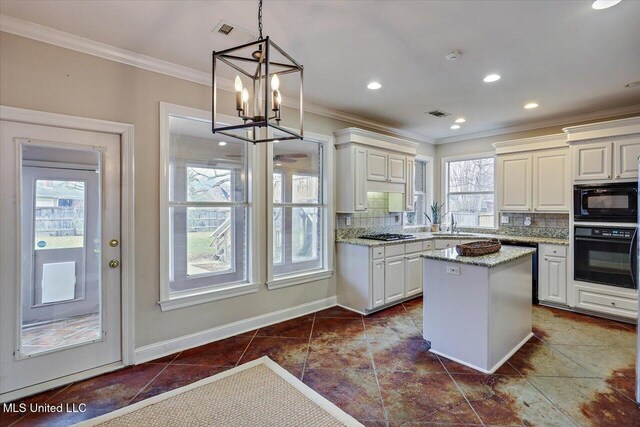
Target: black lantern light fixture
(261,68)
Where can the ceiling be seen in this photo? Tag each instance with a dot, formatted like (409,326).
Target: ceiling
(564,55)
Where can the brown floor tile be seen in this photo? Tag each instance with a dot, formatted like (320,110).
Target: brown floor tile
(458,368)
(176,376)
(354,391)
(295,328)
(338,312)
(508,400)
(338,328)
(339,353)
(63,419)
(392,329)
(410,396)
(225,352)
(415,302)
(407,355)
(166,359)
(602,362)
(8,418)
(373,423)
(290,353)
(544,360)
(393,312)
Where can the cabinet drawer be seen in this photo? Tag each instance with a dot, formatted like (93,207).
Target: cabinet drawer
(617,305)
(393,250)
(413,247)
(378,252)
(553,250)
(448,243)
(427,245)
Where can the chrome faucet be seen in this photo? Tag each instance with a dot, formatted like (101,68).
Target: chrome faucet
(454,226)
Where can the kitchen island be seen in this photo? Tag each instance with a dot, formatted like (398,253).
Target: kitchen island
(477,310)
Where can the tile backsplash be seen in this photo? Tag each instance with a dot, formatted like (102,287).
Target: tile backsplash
(376,216)
(542,225)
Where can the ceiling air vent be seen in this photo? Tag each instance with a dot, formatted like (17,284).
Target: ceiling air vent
(225,29)
(438,113)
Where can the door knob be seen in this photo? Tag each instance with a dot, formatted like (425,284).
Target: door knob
(113,243)
(114,263)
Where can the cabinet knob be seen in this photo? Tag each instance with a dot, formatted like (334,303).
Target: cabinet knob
(613,303)
(617,176)
(608,176)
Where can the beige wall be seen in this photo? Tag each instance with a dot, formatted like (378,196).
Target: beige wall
(39,76)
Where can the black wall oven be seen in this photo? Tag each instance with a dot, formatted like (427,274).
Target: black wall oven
(616,202)
(606,255)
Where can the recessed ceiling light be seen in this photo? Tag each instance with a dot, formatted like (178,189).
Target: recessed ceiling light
(604,4)
(633,84)
(222,143)
(374,86)
(278,164)
(275,141)
(454,127)
(461,120)
(531,106)
(491,78)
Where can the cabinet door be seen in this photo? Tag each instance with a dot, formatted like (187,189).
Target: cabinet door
(551,181)
(514,182)
(377,281)
(413,276)
(409,186)
(376,165)
(552,283)
(625,157)
(592,161)
(394,277)
(446,243)
(397,168)
(360,178)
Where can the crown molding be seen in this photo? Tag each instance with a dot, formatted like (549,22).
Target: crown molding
(30,30)
(575,118)
(606,129)
(354,135)
(556,140)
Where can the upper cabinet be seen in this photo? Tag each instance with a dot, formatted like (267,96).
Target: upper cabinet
(533,175)
(605,151)
(367,161)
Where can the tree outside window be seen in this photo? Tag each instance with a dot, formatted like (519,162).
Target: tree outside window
(470,192)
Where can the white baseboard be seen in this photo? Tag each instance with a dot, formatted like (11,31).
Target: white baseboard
(165,348)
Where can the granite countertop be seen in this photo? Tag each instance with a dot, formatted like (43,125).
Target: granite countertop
(462,236)
(504,255)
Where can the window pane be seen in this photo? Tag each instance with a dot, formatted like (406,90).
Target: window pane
(417,216)
(420,176)
(305,234)
(300,163)
(278,235)
(474,210)
(59,214)
(471,175)
(205,167)
(209,243)
(299,246)
(277,187)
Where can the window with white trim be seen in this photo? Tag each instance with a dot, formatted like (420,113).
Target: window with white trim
(469,191)
(208,207)
(299,208)
(420,196)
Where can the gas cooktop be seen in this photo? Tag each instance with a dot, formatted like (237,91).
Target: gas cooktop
(387,237)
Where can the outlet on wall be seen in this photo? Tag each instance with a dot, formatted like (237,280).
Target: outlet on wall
(348,220)
(504,219)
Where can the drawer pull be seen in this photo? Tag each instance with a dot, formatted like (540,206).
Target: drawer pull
(613,303)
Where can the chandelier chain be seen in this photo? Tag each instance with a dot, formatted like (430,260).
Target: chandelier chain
(260,19)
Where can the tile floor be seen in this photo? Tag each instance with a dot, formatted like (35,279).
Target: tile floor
(60,333)
(577,370)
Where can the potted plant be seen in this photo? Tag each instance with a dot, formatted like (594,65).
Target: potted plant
(436,216)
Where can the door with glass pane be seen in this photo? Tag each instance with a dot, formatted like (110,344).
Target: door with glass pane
(61,226)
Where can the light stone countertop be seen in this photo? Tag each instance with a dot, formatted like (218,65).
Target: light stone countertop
(463,236)
(504,255)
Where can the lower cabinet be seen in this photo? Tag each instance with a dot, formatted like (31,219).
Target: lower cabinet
(394,279)
(413,275)
(552,274)
(377,282)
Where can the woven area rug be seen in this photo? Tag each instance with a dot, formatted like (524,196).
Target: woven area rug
(258,393)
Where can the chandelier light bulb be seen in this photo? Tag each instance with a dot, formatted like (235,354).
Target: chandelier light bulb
(275,82)
(238,84)
(245,95)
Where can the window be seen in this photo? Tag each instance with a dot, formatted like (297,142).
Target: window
(420,196)
(207,209)
(299,209)
(469,190)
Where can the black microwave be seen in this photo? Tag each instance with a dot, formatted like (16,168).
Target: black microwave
(615,202)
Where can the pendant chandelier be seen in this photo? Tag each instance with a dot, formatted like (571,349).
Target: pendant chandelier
(261,68)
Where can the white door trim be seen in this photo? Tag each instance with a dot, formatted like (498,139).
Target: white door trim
(126,132)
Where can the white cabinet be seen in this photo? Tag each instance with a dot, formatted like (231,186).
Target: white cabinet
(397,168)
(537,181)
(603,299)
(377,162)
(446,243)
(409,186)
(514,182)
(625,155)
(551,181)
(592,161)
(377,282)
(351,176)
(394,279)
(413,275)
(552,274)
